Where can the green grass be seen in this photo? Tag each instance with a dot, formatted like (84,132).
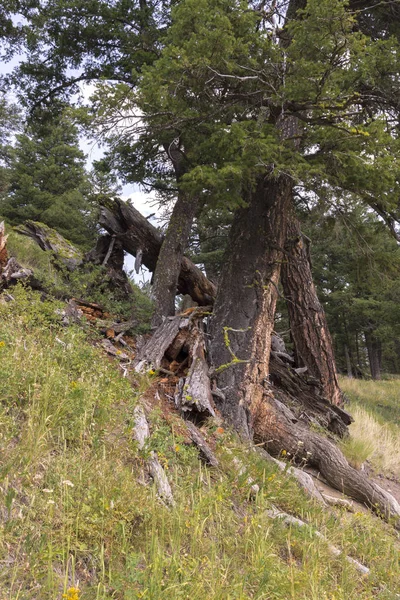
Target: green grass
(76,510)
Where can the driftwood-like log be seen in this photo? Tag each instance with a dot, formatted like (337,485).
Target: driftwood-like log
(289,520)
(278,432)
(139,237)
(141,434)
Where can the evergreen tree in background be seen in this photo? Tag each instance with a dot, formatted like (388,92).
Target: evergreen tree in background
(48,182)
(8,126)
(356,266)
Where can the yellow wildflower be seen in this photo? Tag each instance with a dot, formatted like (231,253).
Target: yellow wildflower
(72,594)
(2,344)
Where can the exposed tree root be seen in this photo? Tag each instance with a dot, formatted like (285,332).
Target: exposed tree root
(289,520)
(283,433)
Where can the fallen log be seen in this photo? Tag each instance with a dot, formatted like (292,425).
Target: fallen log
(141,239)
(282,434)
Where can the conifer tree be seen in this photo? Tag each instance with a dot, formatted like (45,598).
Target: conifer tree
(48,182)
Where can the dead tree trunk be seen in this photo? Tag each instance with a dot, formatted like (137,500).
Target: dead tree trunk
(308,325)
(166,274)
(242,323)
(139,237)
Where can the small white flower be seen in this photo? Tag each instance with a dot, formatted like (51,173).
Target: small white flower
(47,491)
(50,502)
(68,483)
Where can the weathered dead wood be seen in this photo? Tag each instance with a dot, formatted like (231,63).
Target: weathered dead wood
(202,445)
(303,479)
(138,236)
(155,348)
(194,396)
(278,433)
(309,328)
(289,520)
(141,434)
(13,272)
(281,414)
(298,392)
(10,270)
(113,351)
(3,246)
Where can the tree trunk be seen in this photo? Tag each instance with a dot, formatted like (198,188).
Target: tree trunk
(374,348)
(139,237)
(309,328)
(243,319)
(166,274)
(286,407)
(348,362)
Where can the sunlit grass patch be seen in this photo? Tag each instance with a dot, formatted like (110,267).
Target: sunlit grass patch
(375,433)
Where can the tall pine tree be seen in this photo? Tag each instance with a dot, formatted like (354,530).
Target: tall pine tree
(48,182)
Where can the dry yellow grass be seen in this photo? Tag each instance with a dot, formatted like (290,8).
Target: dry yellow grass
(375,433)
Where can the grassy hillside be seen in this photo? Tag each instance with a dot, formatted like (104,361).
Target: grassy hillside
(80,519)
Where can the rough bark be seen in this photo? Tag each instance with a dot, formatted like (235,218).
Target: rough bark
(136,234)
(302,396)
(242,324)
(285,416)
(308,325)
(166,274)
(280,431)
